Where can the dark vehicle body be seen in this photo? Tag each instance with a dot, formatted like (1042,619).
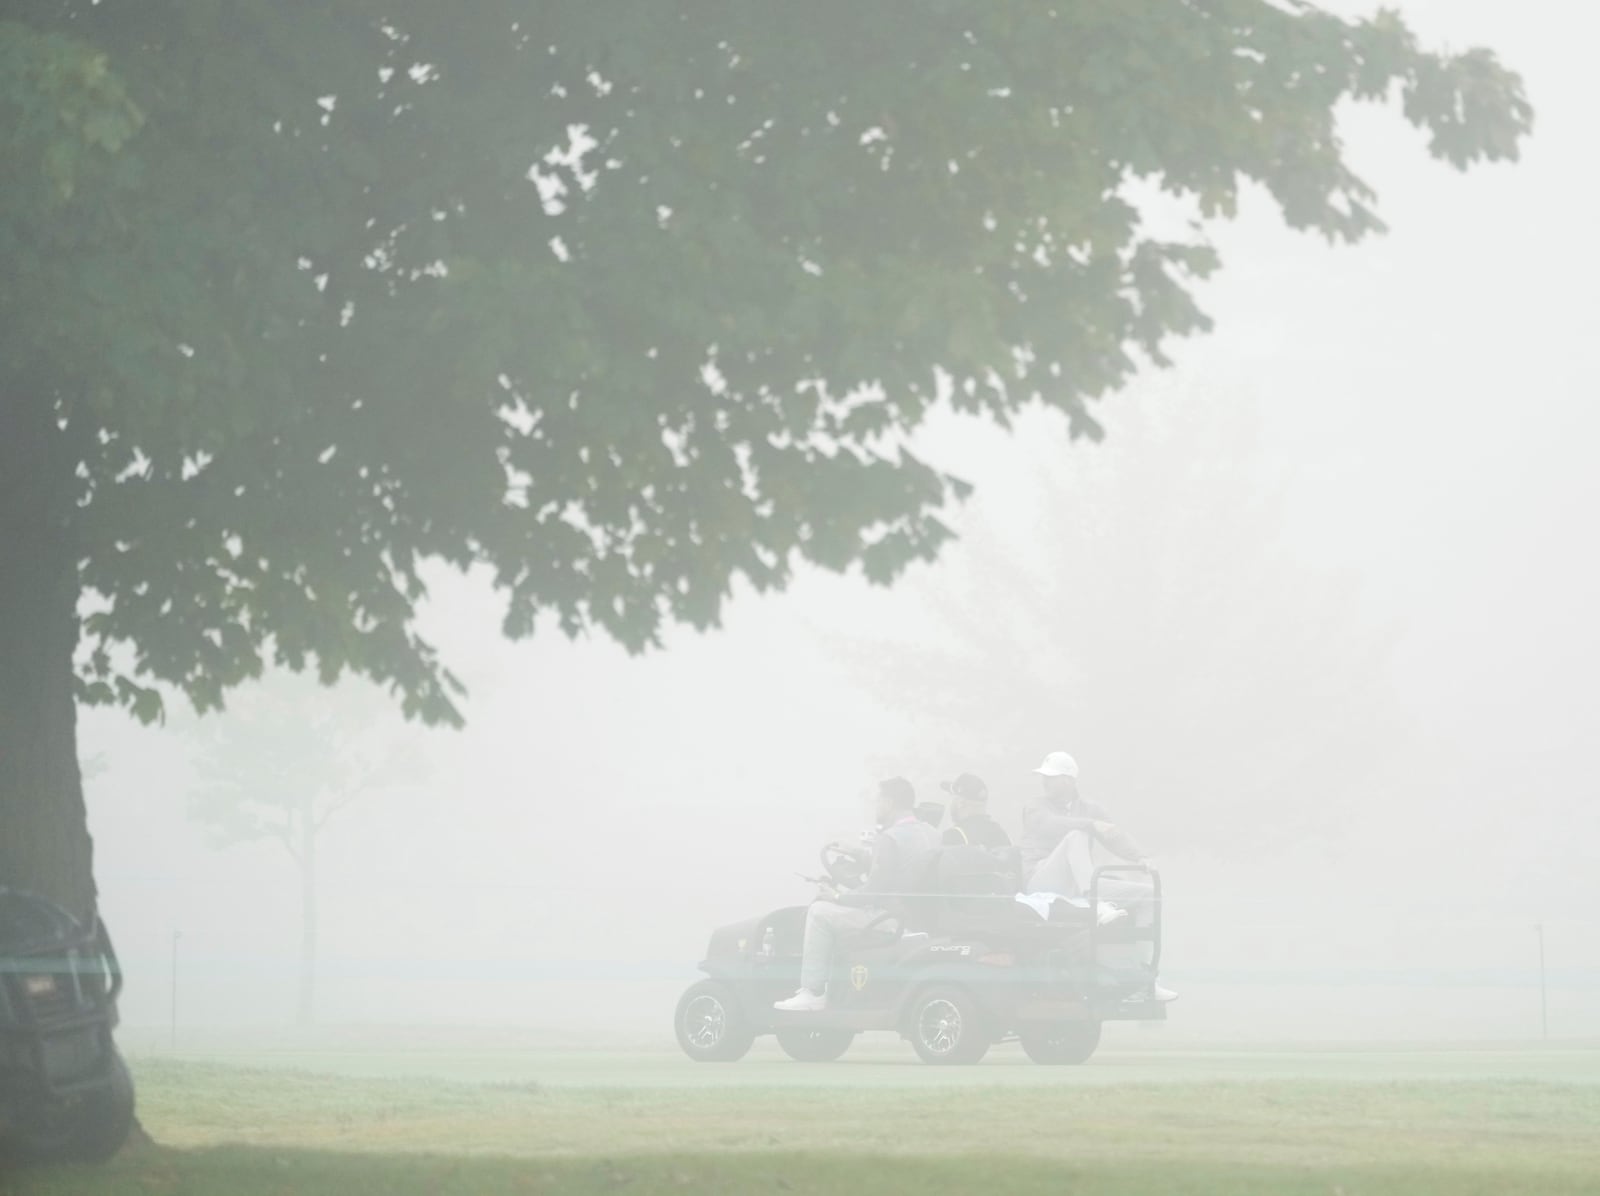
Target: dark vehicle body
(952,973)
(65,1093)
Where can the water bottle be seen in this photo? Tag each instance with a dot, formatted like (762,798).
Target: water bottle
(768,944)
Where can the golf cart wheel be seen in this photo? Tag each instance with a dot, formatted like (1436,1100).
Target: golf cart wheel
(946,1026)
(710,1027)
(85,1129)
(1061,1042)
(103,1119)
(815,1046)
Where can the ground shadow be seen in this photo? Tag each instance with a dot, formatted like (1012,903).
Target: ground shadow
(259,1171)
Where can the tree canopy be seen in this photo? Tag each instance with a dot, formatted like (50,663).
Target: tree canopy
(619,302)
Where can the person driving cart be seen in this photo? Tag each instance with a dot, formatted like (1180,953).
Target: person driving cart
(898,850)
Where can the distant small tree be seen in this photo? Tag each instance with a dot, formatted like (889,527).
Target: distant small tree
(281,763)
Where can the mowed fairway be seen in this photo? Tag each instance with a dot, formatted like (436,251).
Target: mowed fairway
(1131,1122)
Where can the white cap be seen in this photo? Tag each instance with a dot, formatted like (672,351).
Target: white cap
(1058,764)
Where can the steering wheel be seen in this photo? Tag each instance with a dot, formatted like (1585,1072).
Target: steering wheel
(844,869)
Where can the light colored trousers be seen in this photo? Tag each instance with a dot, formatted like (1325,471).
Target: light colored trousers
(1068,870)
(826,921)
(1070,867)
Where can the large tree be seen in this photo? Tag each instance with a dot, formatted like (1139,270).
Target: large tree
(617,301)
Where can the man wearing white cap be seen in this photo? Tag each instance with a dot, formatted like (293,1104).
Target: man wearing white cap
(1058,836)
(1059,832)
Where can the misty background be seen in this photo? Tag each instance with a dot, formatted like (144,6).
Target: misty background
(1317,620)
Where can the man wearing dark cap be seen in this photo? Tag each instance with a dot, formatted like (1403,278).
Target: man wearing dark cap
(971,825)
(902,845)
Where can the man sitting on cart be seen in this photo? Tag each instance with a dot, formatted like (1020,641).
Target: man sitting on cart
(899,851)
(1059,834)
(970,824)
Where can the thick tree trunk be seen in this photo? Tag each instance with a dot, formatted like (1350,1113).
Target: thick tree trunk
(44,836)
(306,1014)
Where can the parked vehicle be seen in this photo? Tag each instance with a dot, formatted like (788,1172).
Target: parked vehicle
(65,1092)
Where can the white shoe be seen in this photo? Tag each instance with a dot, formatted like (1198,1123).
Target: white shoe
(1159,992)
(804,1001)
(1108,913)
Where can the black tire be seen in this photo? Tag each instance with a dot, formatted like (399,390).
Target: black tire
(710,1026)
(104,1119)
(87,1129)
(945,1025)
(814,1046)
(1060,1042)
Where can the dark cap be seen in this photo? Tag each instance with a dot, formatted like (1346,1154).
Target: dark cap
(899,791)
(968,786)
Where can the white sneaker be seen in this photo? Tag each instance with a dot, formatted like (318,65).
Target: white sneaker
(804,1001)
(1159,992)
(1108,913)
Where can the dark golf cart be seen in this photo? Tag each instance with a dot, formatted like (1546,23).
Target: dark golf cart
(955,972)
(65,1093)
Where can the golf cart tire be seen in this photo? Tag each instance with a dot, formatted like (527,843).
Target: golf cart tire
(946,1026)
(103,1119)
(90,1129)
(710,1026)
(814,1046)
(1060,1043)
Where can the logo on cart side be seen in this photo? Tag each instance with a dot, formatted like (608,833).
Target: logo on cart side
(858,977)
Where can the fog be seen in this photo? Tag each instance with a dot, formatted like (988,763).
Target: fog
(1317,621)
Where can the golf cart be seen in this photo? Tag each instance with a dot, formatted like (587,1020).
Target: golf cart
(955,971)
(65,1093)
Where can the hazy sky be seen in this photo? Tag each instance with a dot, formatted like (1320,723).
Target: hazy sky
(1426,402)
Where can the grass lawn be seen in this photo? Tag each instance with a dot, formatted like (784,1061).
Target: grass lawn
(225,1129)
